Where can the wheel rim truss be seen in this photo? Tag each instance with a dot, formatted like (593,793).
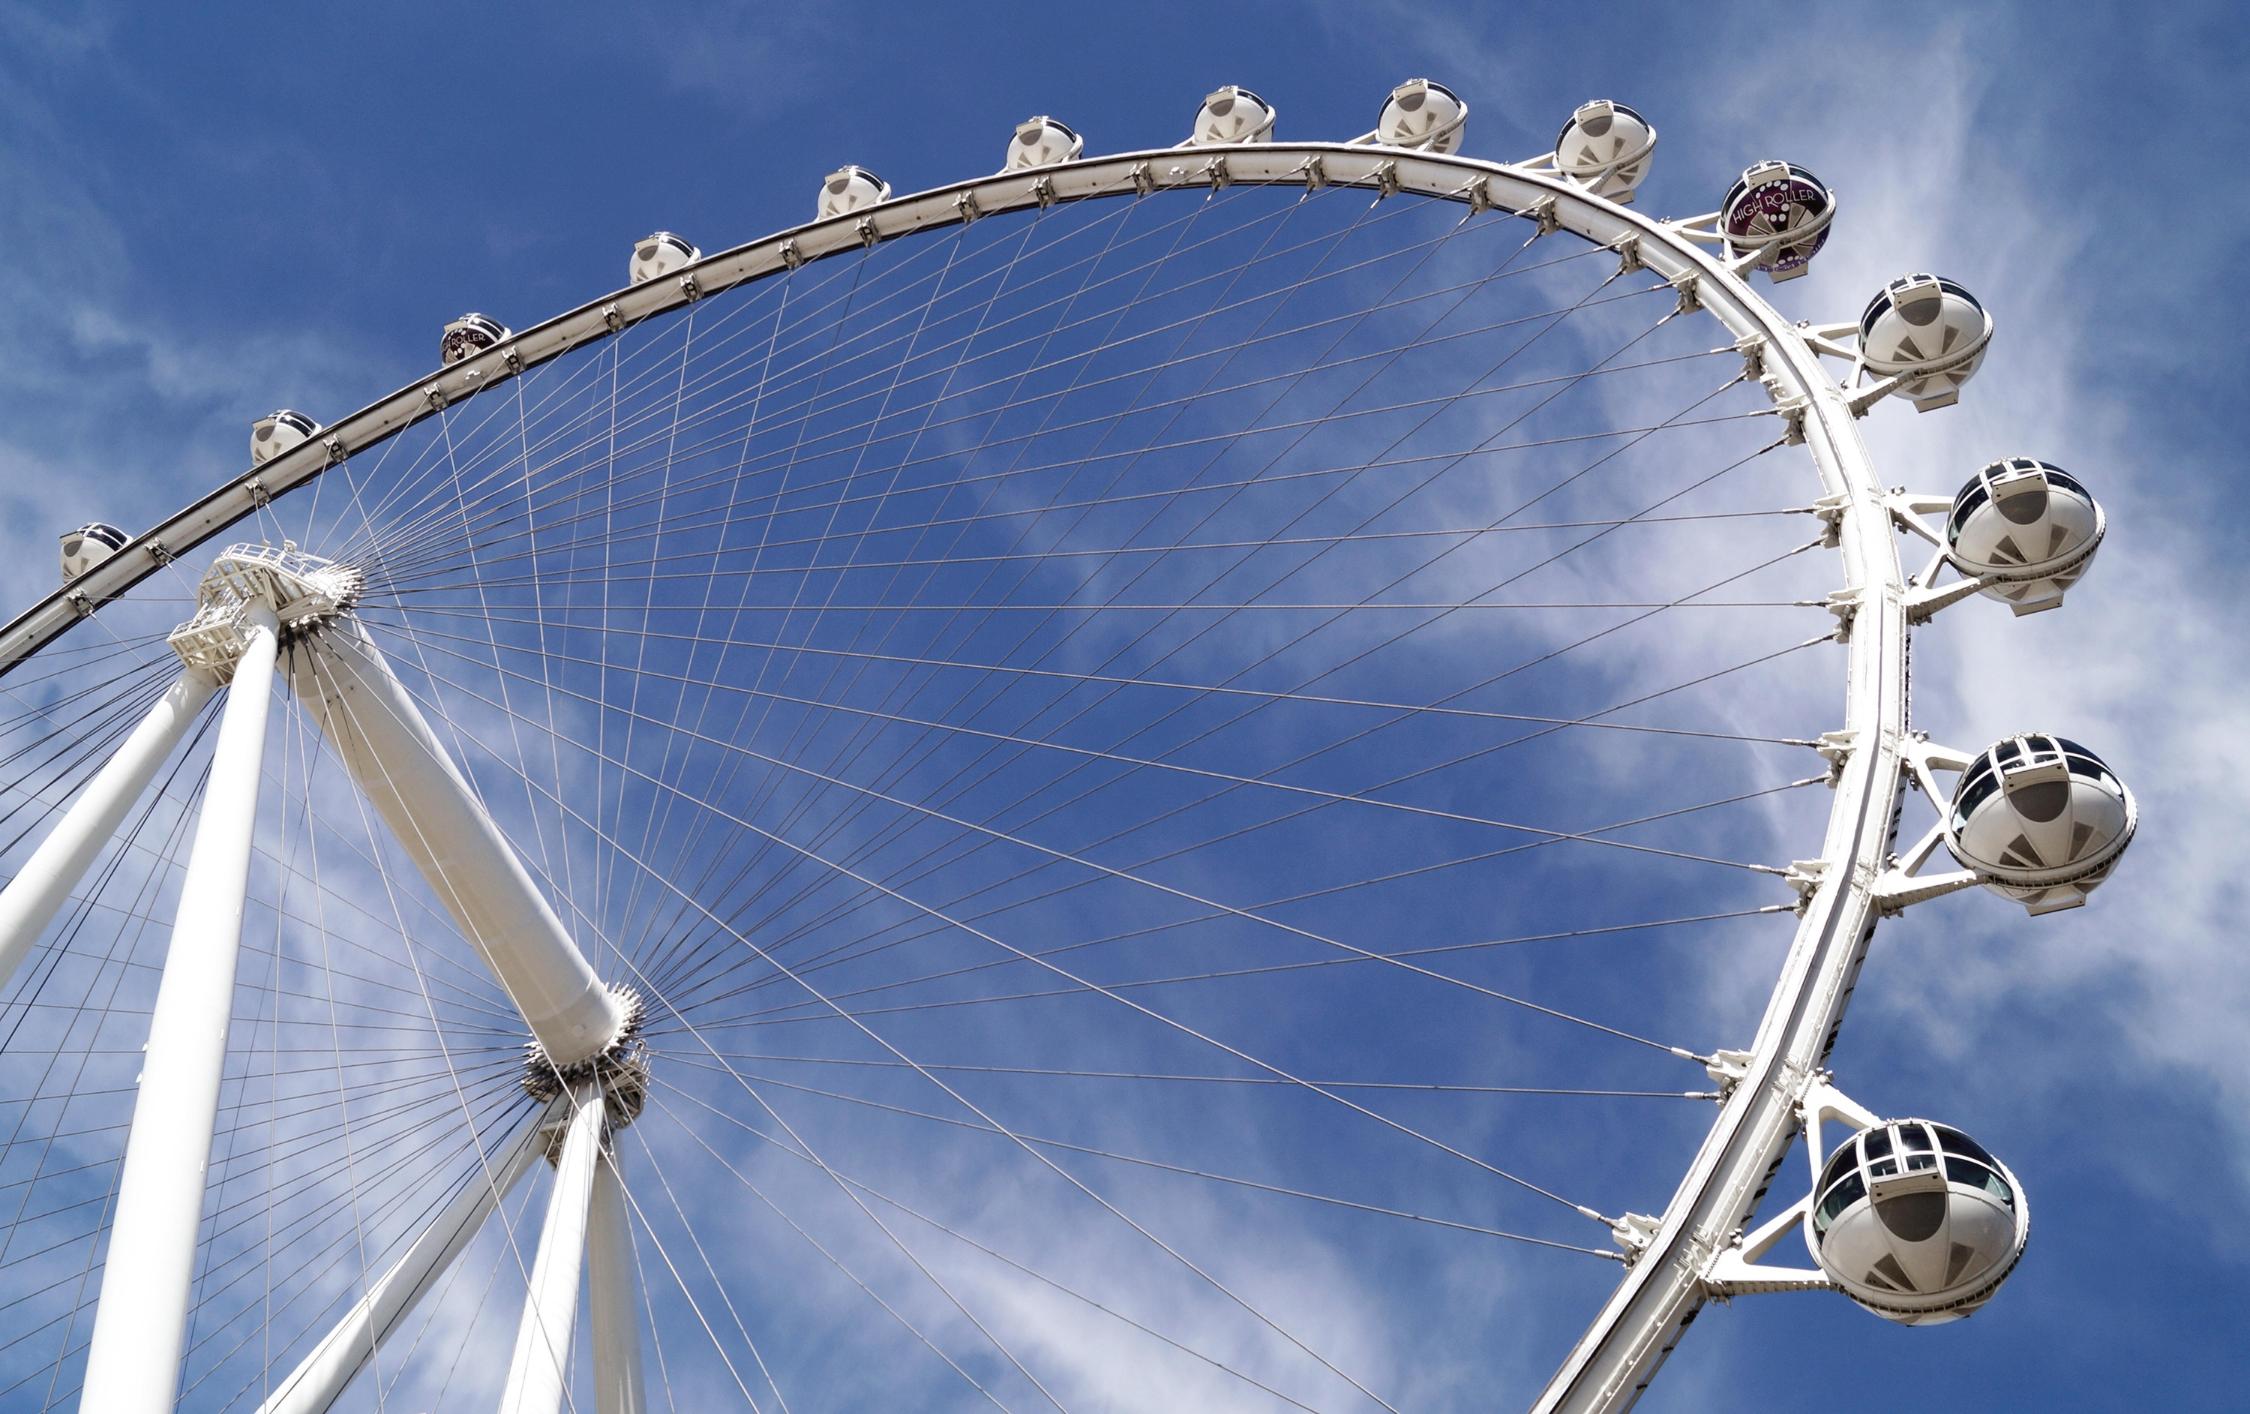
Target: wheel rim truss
(1671,1256)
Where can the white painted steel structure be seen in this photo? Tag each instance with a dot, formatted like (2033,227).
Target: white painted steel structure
(319,1379)
(398,760)
(41,887)
(140,1323)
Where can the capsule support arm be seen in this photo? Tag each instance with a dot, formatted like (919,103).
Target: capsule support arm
(1739,1270)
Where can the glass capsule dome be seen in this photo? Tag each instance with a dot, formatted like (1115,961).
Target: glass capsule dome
(1605,148)
(658,254)
(278,432)
(1233,114)
(469,336)
(1929,332)
(88,546)
(2042,819)
(1042,142)
(1781,209)
(1422,114)
(1916,1221)
(2028,525)
(849,188)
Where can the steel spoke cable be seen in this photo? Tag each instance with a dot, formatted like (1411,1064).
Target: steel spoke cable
(1001,283)
(1426,1087)
(436,553)
(1362,223)
(1232,1180)
(890,1235)
(726,436)
(1327,797)
(1325,250)
(1073,1180)
(833,1261)
(962,1237)
(491,500)
(1340,537)
(757,1356)
(952,903)
(1100,990)
(1215,689)
(1238,674)
(1216,372)
(1116,758)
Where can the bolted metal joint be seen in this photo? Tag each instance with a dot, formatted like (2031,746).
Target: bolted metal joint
(620,1068)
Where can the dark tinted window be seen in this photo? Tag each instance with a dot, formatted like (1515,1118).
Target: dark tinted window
(1843,1161)
(1842,1196)
(1953,1141)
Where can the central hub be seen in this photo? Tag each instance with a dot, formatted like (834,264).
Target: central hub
(298,590)
(620,1068)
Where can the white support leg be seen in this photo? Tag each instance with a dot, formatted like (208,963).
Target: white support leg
(379,734)
(317,1381)
(611,1281)
(550,1307)
(133,1366)
(36,894)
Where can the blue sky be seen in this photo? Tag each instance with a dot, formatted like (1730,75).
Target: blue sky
(210,214)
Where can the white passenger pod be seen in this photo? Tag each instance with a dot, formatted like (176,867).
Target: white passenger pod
(2028,527)
(1605,148)
(278,432)
(1927,332)
(2040,819)
(1041,142)
(1426,116)
(88,546)
(1232,114)
(469,336)
(658,254)
(1917,1222)
(1776,216)
(848,189)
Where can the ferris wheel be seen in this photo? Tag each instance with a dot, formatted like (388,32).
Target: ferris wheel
(1145,777)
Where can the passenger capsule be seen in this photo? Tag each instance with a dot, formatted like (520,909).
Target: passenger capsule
(1423,115)
(1233,114)
(1929,330)
(847,189)
(658,254)
(469,336)
(1041,142)
(278,432)
(88,546)
(1779,212)
(2041,819)
(1916,1222)
(1605,148)
(2028,526)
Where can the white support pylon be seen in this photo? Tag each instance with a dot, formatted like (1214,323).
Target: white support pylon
(140,1322)
(375,729)
(36,894)
(611,1280)
(550,1307)
(322,1375)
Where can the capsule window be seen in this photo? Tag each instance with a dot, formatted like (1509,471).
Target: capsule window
(1840,1197)
(1843,1161)
(1953,1141)
(1876,1143)
(1973,794)
(1977,1176)
(1971,500)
